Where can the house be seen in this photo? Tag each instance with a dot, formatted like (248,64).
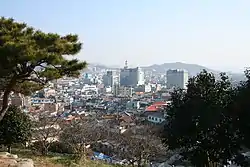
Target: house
(39,101)
(126,122)
(156,106)
(49,92)
(152,108)
(160,103)
(156,117)
(53,107)
(133,105)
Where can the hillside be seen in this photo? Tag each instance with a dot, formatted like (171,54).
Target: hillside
(193,69)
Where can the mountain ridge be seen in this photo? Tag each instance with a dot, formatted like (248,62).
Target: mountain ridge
(193,69)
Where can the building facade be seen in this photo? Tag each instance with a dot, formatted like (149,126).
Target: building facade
(131,77)
(110,79)
(87,78)
(177,79)
(156,117)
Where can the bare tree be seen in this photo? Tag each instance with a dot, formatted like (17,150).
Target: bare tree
(81,135)
(46,131)
(140,147)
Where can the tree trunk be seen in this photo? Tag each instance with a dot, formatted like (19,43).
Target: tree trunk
(9,149)
(83,156)
(5,104)
(139,162)
(45,149)
(132,163)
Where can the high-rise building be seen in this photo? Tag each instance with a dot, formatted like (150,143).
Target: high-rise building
(177,78)
(131,76)
(110,79)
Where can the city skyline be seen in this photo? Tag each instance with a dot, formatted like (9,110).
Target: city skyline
(113,67)
(209,33)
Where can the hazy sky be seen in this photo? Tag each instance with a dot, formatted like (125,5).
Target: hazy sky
(214,33)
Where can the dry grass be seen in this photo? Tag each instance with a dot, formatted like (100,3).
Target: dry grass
(66,162)
(45,162)
(56,160)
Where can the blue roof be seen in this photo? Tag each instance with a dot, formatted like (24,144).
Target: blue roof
(101,156)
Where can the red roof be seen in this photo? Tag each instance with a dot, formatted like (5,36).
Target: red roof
(152,108)
(159,103)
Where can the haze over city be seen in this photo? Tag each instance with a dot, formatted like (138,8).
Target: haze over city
(211,33)
(107,83)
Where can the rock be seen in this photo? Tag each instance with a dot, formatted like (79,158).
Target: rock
(8,162)
(4,154)
(13,156)
(11,160)
(25,163)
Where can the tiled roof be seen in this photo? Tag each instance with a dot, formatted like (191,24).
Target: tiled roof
(159,103)
(152,108)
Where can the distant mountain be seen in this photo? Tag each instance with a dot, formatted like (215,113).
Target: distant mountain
(193,69)
(100,67)
(92,65)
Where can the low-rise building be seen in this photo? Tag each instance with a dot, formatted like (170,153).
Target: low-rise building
(53,107)
(156,117)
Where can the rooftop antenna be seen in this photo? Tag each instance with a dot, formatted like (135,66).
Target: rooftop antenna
(126,64)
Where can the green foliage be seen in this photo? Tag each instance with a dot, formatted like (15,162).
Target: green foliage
(27,88)
(199,123)
(24,49)
(239,110)
(31,58)
(15,127)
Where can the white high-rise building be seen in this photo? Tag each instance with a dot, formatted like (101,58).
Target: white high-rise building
(131,76)
(177,79)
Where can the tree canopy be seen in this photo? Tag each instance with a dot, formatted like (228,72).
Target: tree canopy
(240,112)
(31,58)
(15,127)
(200,123)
